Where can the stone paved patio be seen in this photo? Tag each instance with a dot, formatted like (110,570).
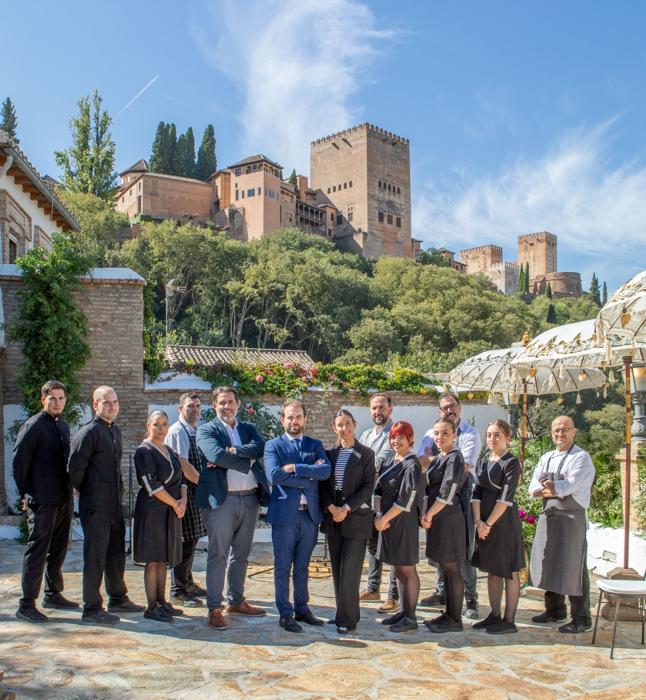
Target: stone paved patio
(255,658)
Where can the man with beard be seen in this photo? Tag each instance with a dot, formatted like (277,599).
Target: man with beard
(294,464)
(40,470)
(468,441)
(181,438)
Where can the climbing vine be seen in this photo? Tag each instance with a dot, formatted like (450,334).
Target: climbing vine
(50,329)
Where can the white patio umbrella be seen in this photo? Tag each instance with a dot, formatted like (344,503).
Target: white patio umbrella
(624,316)
(493,371)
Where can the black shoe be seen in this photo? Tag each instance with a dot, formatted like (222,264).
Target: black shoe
(309,619)
(289,624)
(487,622)
(433,620)
(186,601)
(195,591)
(575,628)
(99,617)
(547,617)
(404,625)
(471,610)
(502,627)
(341,629)
(30,615)
(125,606)
(433,601)
(158,613)
(59,602)
(448,624)
(174,612)
(332,621)
(392,619)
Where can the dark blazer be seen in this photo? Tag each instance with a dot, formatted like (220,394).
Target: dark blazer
(358,484)
(287,488)
(40,459)
(212,441)
(95,467)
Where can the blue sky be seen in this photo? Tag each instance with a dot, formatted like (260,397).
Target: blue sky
(522,116)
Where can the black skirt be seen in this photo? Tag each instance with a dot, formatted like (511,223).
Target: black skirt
(503,551)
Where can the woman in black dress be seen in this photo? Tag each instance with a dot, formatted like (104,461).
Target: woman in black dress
(499,546)
(396,504)
(161,502)
(345,500)
(446,540)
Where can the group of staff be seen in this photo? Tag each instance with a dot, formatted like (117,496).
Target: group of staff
(371,492)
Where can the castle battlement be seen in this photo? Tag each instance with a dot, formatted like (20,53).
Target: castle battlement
(487,246)
(504,264)
(539,234)
(360,127)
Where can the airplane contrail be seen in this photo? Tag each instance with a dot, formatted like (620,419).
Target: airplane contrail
(141,92)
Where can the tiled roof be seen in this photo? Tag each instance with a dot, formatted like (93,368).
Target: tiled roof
(141,166)
(209,357)
(255,159)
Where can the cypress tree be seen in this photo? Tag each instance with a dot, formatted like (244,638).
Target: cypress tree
(206,160)
(527,278)
(604,295)
(292,178)
(548,292)
(169,151)
(157,154)
(179,156)
(189,158)
(595,292)
(9,121)
(521,280)
(551,314)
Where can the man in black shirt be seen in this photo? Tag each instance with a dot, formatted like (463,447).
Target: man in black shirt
(39,469)
(95,470)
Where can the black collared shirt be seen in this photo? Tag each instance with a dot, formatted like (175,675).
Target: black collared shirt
(95,466)
(40,459)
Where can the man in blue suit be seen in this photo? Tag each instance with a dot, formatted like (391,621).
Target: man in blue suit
(294,464)
(230,489)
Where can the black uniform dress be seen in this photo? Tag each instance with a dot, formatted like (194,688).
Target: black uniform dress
(446,539)
(157,530)
(398,484)
(502,552)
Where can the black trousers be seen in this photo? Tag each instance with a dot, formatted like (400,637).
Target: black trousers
(579,604)
(104,556)
(182,575)
(49,531)
(346,557)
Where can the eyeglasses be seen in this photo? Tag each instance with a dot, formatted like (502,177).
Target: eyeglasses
(448,409)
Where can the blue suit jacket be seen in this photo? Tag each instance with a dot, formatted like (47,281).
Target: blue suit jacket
(212,440)
(287,488)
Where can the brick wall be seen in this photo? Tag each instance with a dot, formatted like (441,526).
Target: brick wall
(113,304)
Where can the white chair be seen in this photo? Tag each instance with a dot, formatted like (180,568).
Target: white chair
(622,590)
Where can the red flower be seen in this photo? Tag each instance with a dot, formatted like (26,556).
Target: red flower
(314,372)
(531,519)
(260,378)
(288,365)
(522,514)
(250,411)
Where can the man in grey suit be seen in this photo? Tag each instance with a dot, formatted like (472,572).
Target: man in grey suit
(376,438)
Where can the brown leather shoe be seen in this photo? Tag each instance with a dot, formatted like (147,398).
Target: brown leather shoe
(389,606)
(369,595)
(217,619)
(245,609)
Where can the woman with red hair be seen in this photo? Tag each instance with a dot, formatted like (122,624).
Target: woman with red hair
(396,504)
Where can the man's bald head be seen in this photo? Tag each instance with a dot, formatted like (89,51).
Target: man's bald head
(106,403)
(563,432)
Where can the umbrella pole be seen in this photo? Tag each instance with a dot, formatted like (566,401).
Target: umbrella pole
(627,363)
(523,426)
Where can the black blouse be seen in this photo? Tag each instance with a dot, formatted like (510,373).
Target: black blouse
(445,477)
(398,484)
(501,476)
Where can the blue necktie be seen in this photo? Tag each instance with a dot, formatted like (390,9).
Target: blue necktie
(297,443)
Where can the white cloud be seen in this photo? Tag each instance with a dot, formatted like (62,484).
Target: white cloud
(595,206)
(298,63)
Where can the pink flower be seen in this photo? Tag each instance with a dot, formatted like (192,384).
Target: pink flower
(250,411)
(288,365)
(259,378)
(531,519)
(522,514)
(314,372)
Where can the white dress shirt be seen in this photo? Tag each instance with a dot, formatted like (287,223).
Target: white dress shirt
(237,481)
(467,441)
(577,474)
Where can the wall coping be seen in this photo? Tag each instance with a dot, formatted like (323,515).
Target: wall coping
(106,275)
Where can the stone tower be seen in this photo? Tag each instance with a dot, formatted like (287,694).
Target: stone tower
(365,172)
(539,250)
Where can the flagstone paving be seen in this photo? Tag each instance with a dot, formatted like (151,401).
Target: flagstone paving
(255,658)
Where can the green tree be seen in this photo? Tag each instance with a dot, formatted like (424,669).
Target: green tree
(432,256)
(293,180)
(206,160)
(526,278)
(88,165)
(521,280)
(551,314)
(158,155)
(171,146)
(604,294)
(184,156)
(9,121)
(594,291)
(548,291)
